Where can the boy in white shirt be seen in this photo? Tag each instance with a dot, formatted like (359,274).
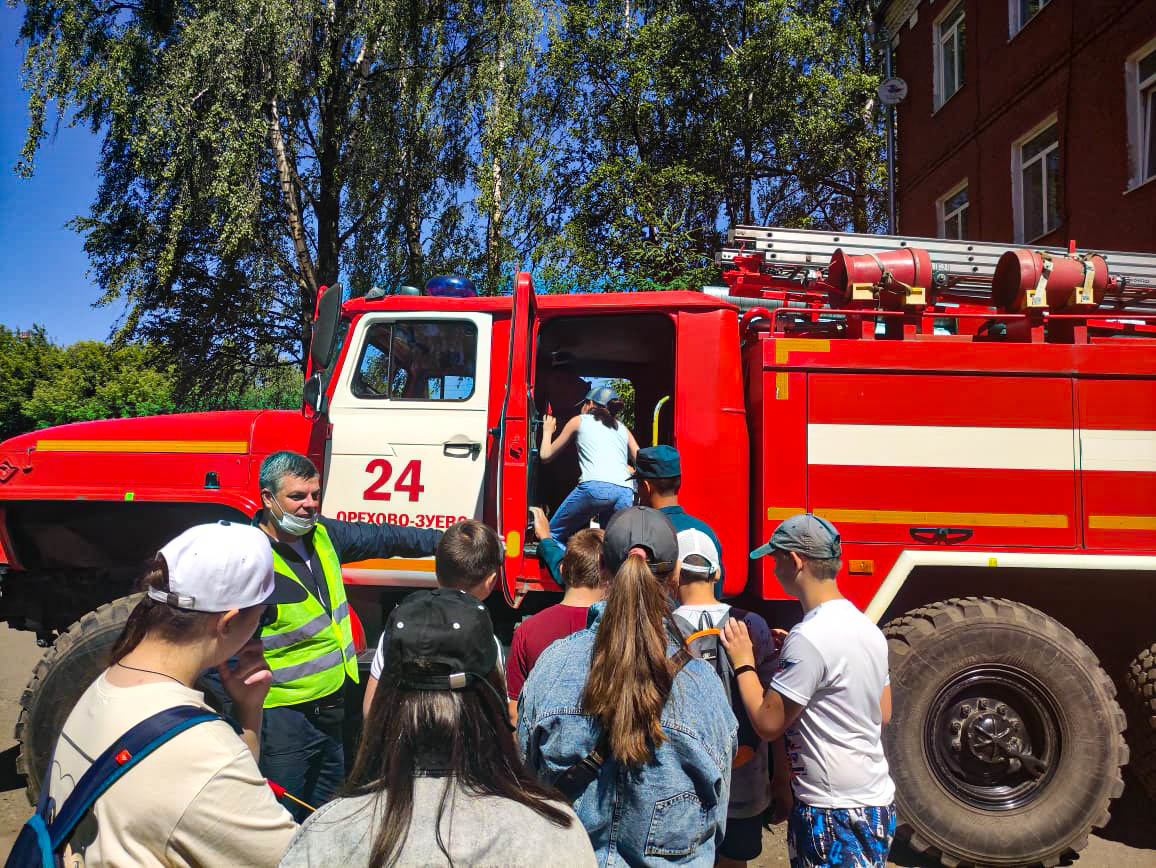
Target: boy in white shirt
(832,696)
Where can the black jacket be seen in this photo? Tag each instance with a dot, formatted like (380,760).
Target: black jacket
(354,541)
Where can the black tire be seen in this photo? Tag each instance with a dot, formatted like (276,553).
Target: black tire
(970,675)
(1140,681)
(65,671)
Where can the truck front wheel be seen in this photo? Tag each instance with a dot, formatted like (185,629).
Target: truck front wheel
(1005,742)
(65,671)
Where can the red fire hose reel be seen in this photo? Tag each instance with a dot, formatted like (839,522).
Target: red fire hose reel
(897,278)
(1037,279)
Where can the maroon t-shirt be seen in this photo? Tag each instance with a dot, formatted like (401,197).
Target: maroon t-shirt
(534,635)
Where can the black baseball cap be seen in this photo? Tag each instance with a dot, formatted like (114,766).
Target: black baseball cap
(645,528)
(657,462)
(440,640)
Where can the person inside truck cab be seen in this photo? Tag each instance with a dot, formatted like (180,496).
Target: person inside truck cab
(309,646)
(605,449)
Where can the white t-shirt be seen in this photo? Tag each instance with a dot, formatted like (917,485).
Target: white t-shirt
(603,452)
(378,664)
(834,663)
(196,800)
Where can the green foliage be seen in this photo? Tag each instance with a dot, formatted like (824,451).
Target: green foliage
(255,150)
(692,118)
(23,357)
(93,380)
(42,384)
(625,390)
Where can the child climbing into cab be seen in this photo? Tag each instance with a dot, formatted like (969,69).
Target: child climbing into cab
(605,449)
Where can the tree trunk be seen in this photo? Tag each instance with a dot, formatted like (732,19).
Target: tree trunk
(497,212)
(291,198)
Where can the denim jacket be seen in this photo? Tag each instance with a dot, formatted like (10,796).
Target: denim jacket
(673,809)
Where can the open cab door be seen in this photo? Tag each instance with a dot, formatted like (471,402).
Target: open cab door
(518,446)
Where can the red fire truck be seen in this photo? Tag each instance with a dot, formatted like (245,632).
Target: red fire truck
(980,423)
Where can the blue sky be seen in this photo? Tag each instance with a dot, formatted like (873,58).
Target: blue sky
(43,262)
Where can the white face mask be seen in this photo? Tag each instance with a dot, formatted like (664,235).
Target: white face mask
(292,524)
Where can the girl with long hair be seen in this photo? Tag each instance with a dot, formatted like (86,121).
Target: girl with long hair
(605,449)
(437,779)
(198,799)
(639,735)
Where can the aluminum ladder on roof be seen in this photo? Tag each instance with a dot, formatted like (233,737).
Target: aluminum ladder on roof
(966,266)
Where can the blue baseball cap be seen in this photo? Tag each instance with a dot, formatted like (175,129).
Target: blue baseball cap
(657,462)
(601,395)
(807,535)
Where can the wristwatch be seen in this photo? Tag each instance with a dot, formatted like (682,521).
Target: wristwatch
(742,669)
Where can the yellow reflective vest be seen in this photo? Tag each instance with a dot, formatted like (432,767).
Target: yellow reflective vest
(309,651)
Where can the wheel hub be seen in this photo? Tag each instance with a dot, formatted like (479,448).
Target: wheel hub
(993,736)
(989,735)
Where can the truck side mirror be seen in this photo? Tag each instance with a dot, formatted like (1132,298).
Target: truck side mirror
(325,326)
(313,395)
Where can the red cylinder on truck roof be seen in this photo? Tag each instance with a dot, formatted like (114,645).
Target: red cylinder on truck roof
(1071,284)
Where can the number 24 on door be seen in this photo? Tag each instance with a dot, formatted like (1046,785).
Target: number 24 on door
(409,481)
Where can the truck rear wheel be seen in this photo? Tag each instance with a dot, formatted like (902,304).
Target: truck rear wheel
(1141,683)
(1006,742)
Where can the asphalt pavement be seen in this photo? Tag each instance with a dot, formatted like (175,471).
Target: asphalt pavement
(1129,841)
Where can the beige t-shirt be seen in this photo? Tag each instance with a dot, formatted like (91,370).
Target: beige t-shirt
(198,799)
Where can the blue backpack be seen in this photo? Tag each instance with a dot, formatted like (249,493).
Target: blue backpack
(44,835)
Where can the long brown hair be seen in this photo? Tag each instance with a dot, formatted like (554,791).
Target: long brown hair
(160,619)
(460,733)
(630,674)
(606,414)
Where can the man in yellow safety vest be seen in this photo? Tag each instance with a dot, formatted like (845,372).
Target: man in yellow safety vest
(309,647)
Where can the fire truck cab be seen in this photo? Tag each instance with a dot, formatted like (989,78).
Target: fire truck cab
(434,417)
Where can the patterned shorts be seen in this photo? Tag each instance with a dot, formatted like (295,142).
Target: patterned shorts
(845,837)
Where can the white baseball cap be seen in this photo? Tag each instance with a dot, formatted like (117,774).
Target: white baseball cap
(698,553)
(223,566)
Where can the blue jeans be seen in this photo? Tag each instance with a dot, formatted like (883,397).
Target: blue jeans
(303,753)
(589,499)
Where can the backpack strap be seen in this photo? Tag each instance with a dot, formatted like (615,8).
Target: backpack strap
(573,781)
(699,634)
(124,753)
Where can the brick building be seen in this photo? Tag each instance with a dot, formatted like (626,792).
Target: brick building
(1027,120)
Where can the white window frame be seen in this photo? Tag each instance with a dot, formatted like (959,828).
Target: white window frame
(1141,126)
(1014,23)
(942,216)
(937,64)
(1018,177)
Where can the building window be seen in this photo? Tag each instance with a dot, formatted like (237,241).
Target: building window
(1140,72)
(949,50)
(952,215)
(1020,12)
(1036,179)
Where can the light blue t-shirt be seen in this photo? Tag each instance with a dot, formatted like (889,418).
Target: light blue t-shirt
(603,452)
